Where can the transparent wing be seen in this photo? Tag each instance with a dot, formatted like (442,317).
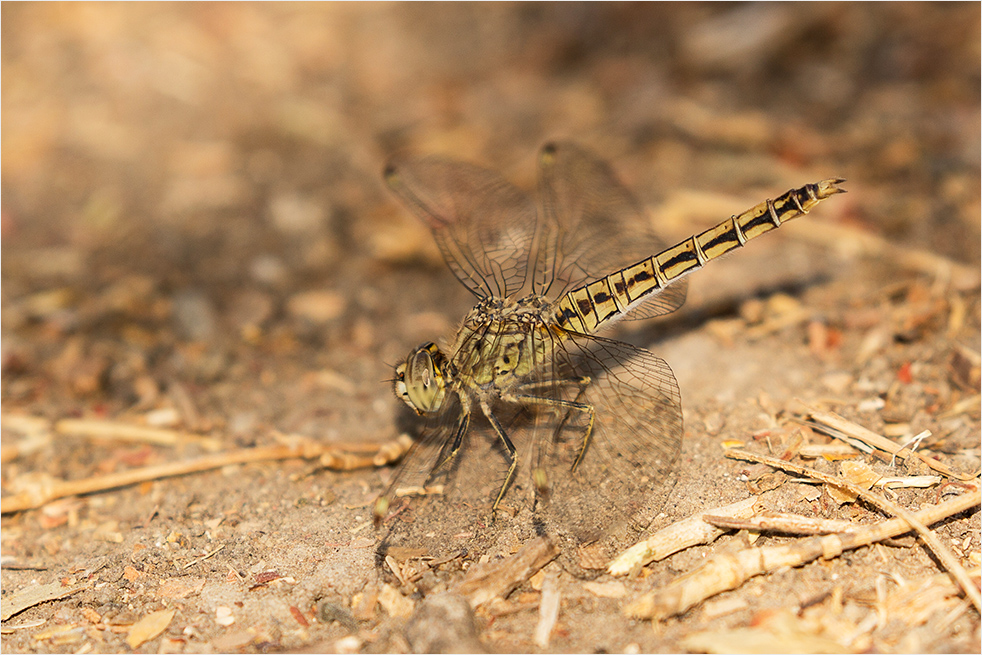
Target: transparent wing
(591,227)
(420,466)
(598,478)
(439,508)
(483,225)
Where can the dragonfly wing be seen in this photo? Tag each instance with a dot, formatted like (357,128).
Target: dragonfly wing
(454,515)
(597,478)
(483,224)
(420,467)
(592,226)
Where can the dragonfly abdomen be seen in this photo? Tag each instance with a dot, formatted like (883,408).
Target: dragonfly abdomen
(592,306)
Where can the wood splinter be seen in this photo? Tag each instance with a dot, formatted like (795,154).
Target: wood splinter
(332,456)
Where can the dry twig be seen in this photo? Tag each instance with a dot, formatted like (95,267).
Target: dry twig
(207,555)
(781,522)
(677,536)
(952,565)
(729,571)
(332,456)
(485,582)
(127,432)
(848,431)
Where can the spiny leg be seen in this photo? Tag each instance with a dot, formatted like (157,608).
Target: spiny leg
(538,475)
(583,382)
(512,453)
(458,437)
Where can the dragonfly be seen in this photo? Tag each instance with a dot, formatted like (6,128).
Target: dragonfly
(528,399)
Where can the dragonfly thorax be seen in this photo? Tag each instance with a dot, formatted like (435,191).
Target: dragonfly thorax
(501,342)
(421,381)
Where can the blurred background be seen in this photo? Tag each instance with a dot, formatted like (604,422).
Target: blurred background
(195,235)
(189,189)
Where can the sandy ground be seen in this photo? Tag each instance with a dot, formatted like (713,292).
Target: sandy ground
(196,238)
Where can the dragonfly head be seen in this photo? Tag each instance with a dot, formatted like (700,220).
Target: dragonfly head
(421,381)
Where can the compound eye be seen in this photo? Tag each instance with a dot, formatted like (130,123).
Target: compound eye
(424,372)
(424,382)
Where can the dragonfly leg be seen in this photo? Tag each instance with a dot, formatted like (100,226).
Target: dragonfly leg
(512,454)
(525,395)
(583,382)
(458,437)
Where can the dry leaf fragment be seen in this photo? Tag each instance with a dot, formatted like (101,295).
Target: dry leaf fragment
(224,616)
(267,576)
(60,635)
(858,473)
(149,627)
(349,644)
(91,615)
(298,616)
(233,640)
(34,595)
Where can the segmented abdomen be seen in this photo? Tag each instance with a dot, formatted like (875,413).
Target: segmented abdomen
(590,307)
